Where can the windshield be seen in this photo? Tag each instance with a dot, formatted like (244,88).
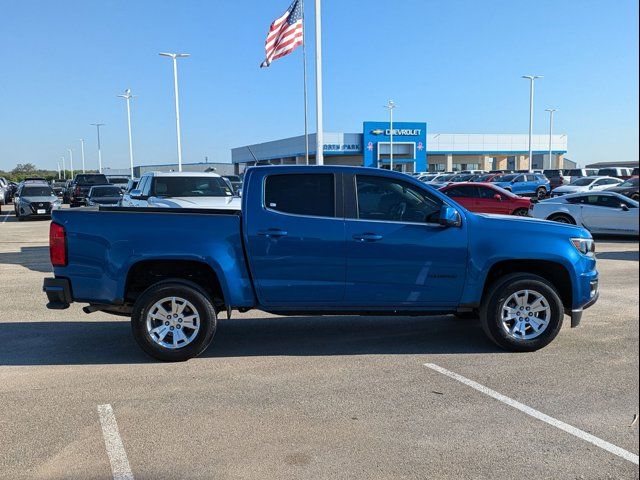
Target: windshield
(233,178)
(105,192)
(632,182)
(462,177)
(552,173)
(91,179)
(574,173)
(191,187)
(507,178)
(37,192)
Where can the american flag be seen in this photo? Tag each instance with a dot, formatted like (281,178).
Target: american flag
(285,34)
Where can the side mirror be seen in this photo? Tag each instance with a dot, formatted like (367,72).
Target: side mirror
(497,197)
(449,217)
(624,207)
(136,194)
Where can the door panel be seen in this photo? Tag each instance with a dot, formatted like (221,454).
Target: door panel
(393,259)
(296,241)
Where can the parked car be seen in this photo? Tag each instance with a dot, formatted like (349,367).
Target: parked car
(586,184)
(132,184)
(66,192)
(35,199)
(4,192)
(441,180)
(184,190)
(635,172)
(487,177)
(556,177)
(628,188)
(599,212)
(621,173)
(58,187)
(120,182)
(104,195)
(487,198)
(576,173)
(525,184)
(321,240)
(463,177)
(81,185)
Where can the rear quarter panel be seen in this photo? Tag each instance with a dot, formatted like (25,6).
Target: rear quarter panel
(103,245)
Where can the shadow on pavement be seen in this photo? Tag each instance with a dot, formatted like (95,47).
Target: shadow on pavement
(629,255)
(100,342)
(33,258)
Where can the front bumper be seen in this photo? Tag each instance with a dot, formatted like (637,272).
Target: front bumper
(58,292)
(576,313)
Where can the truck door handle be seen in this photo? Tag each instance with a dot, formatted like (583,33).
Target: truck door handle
(367,237)
(272,233)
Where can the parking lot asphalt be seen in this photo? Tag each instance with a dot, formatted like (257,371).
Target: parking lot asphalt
(311,397)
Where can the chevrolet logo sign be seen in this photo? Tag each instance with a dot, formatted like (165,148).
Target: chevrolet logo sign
(377,131)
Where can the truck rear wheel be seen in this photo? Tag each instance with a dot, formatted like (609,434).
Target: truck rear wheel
(173,321)
(522,313)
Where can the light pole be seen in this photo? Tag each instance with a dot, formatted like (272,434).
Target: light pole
(98,125)
(174,57)
(127,96)
(551,112)
(59,171)
(532,79)
(64,168)
(390,105)
(82,153)
(71,161)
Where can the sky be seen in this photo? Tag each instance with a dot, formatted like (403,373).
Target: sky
(455,64)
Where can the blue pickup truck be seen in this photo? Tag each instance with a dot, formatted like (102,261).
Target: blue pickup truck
(321,240)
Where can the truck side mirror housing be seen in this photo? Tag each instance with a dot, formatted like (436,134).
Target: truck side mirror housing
(449,217)
(136,194)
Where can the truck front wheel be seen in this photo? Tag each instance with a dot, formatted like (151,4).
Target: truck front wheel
(173,321)
(522,312)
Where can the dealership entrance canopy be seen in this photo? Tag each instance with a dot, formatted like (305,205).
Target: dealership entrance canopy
(414,150)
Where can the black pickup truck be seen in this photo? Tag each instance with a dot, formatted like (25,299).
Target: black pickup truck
(81,185)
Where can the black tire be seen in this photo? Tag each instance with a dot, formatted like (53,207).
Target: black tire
(185,290)
(541,193)
(635,197)
(521,212)
(498,294)
(562,218)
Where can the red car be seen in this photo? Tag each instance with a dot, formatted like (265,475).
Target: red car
(487,198)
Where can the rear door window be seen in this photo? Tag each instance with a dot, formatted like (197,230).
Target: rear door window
(309,194)
(463,191)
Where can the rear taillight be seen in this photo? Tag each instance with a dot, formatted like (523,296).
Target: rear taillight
(57,245)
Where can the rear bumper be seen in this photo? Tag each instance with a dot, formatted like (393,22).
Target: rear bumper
(58,292)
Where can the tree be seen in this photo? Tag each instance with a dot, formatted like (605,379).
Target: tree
(24,169)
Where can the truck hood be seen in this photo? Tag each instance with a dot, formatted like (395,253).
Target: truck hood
(230,203)
(532,225)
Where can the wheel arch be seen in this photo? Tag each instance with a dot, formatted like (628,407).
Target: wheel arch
(554,272)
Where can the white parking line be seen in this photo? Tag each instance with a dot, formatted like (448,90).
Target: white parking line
(587,437)
(6,217)
(112,441)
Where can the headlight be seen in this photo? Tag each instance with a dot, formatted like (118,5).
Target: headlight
(586,246)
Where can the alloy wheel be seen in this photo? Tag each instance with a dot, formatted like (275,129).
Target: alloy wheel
(173,322)
(525,314)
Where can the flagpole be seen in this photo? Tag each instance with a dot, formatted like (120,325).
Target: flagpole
(319,139)
(304,74)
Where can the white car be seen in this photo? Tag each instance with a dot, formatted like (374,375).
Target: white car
(183,190)
(599,212)
(586,184)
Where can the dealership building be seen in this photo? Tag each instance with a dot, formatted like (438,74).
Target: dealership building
(414,150)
